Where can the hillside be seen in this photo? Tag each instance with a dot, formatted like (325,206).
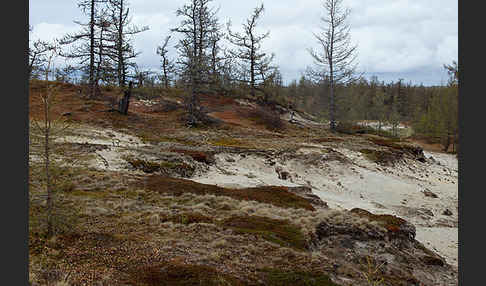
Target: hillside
(247,200)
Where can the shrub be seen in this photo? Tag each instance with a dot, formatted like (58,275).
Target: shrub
(268,118)
(165,106)
(347,127)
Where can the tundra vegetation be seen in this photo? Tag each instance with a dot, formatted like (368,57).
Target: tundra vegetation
(112,197)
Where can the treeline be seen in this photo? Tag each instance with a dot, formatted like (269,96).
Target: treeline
(432,111)
(217,58)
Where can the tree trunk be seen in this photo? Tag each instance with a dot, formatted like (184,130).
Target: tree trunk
(332,107)
(125,101)
(50,231)
(252,73)
(121,64)
(166,78)
(91,52)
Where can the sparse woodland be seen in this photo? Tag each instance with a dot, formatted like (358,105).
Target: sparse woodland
(113,195)
(219,61)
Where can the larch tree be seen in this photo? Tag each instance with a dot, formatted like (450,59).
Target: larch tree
(199,22)
(103,67)
(167,64)
(249,50)
(122,51)
(336,56)
(43,135)
(85,50)
(38,55)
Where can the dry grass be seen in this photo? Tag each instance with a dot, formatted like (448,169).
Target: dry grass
(278,277)
(278,196)
(280,232)
(178,274)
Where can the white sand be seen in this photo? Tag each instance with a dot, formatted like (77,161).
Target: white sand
(118,145)
(392,190)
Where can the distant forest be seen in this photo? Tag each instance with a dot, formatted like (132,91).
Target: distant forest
(221,60)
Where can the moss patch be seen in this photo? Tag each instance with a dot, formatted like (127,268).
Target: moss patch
(278,196)
(381,157)
(277,277)
(399,146)
(280,232)
(392,223)
(187,218)
(227,142)
(151,137)
(165,167)
(181,274)
(145,166)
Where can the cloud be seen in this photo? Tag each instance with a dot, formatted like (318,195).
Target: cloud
(395,37)
(49,32)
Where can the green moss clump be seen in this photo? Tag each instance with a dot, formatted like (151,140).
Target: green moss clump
(280,232)
(187,218)
(277,277)
(150,137)
(390,222)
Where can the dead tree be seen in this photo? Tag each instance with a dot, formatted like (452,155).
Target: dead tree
(335,59)
(167,64)
(85,51)
(198,24)
(125,101)
(37,56)
(249,49)
(122,50)
(103,66)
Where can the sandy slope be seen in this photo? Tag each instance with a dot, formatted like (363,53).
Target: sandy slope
(358,183)
(394,190)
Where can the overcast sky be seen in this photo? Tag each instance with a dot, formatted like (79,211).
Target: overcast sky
(408,39)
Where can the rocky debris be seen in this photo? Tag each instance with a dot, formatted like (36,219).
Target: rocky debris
(306,193)
(396,227)
(326,229)
(86,147)
(428,193)
(401,259)
(447,212)
(282,174)
(383,157)
(426,212)
(199,156)
(401,149)
(351,245)
(433,260)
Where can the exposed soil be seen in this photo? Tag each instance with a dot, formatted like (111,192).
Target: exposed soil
(151,202)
